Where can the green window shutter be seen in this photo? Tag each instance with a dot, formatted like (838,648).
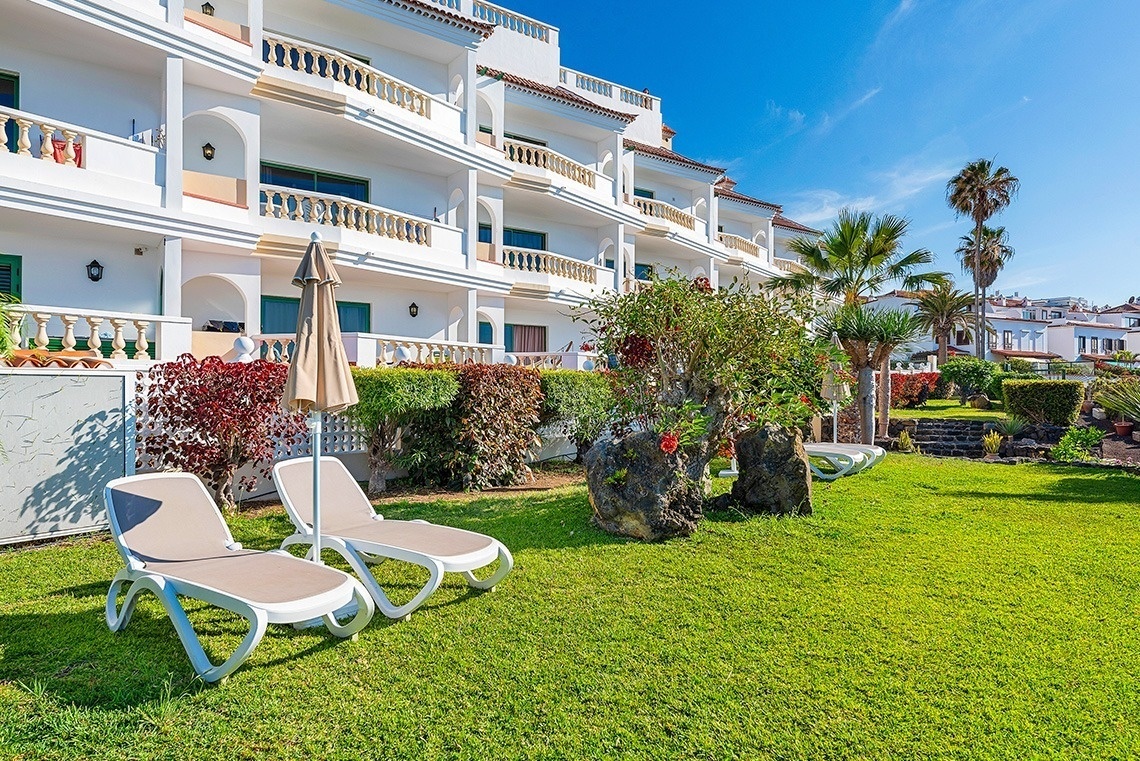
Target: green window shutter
(279,315)
(11,275)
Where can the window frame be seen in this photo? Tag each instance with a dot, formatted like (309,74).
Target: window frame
(367,183)
(265,298)
(17,264)
(646,193)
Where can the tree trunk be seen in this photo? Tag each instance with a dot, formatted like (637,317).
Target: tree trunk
(979,346)
(884,398)
(380,450)
(982,326)
(866,401)
(943,349)
(223,482)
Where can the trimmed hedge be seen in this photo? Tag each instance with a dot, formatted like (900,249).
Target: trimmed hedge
(582,401)
(994,390)
(969,374)
(1057,402)
(482,438)
(388,396)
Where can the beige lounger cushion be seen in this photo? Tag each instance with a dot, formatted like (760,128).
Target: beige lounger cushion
(428,538)
(172,526)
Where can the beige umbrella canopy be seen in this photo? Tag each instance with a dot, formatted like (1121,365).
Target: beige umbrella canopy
(320,379)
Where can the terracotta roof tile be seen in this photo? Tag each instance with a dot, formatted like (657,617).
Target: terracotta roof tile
(553,93)
(442,14)
(726,188)
(790,224)
(1025,354)
(671,156)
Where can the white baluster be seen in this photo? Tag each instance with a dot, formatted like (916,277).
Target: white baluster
(141,344)
(47,152)
(41,339)
(94,342)
(3,133)
(68,331)
(24,141)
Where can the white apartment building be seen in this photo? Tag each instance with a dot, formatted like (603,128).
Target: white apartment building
(163,166)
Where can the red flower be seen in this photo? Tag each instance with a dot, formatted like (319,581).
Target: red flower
(636,351)
(587,347)
(702,284)
(805,400)
(669,442)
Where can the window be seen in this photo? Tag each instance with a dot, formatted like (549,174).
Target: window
(960,338)
(486,333)
(1007,339)
(991,340)
(1082,345)
(1028,315)
(279,315)
(525,338)
(643,271)
(314,181)
(523,138)
(643,193)
(1095,344)
(10,97)
(1056,315)
(11,275)
(515,238)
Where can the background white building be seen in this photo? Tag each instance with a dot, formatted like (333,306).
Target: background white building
(162,167)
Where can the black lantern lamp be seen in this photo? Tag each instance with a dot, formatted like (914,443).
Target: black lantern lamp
(413,309)
(208,152)
(207,9)
(94,271)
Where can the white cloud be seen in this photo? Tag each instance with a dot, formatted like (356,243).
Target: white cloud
(828,122)
(793,117)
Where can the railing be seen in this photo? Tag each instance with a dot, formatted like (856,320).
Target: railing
(543,158)
(554,360)
(788,265)
(373,350)
(544,262)
(346,213)
(114,339)
(609,90)
(737,243)
(331,64)
(499,16)
(653,208)
(66,150)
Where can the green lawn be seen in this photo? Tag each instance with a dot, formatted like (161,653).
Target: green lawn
(928,609)
(949,409)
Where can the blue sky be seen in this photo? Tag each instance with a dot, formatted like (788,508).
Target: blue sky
(817,105)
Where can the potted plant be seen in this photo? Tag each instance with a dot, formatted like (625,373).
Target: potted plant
(991,444)
(1123,399)
(1123,427)
(1010,428)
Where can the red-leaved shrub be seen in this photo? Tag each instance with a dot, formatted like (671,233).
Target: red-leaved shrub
(482,439)
(211,418)
(905,387)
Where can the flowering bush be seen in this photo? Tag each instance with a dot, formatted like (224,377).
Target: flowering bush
(211,418)
(905,388)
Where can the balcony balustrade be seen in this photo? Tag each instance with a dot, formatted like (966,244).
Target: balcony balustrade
(618,95)
(789,265)
(737,243)
(335,66)
(661,210)
(546,263)
(126,338)
(376,350)
(554,360)
(345,213)
(542,157)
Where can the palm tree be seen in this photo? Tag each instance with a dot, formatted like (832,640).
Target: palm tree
(868,337)
(979,192)
(995,253)
(943,310)
(860,255)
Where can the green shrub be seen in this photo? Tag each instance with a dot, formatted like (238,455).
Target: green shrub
(1019,365)
(1012,426)
(1122,398)
(1077,444)
(388,396)
(994,390)
(482,438)
(582,401)
(970,374)
(1057,402)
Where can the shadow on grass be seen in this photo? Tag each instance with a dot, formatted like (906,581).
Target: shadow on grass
(1089,486)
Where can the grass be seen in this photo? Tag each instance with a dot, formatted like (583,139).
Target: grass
(927,609)
(949,409)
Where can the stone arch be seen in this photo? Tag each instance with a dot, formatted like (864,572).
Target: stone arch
(496,325)
(698,272)
(456,209)
(223,177)
(606,165)
(606,251)
(455,92)
(701,209)
(455,324)
(485,115)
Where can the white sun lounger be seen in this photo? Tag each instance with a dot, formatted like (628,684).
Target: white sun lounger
(352,528)
(846,459)
(175,544)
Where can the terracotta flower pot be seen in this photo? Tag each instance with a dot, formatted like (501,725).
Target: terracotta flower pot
(1086,406)
(1123,429)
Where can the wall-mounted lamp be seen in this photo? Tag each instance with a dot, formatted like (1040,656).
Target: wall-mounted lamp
(208,152)
(207,9)
(413,309)
(94,271)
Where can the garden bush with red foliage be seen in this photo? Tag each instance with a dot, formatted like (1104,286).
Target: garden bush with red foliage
(905,388)
(211,418)
(482,439)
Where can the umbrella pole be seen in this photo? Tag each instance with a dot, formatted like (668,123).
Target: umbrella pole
(315,426)
(834,422)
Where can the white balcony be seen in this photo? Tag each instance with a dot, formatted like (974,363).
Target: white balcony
(674,217)
(609,94)
(551,165)
(306,64)
(69,156)
(737,243)
(121,337)
(531,265)
(555,360)
(377,350)
(789,265)
(292,213)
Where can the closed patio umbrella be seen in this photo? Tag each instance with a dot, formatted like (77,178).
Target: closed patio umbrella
(320,379)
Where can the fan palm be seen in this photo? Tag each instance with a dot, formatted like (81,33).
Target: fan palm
(868,337)
(860,255)
(995,254)
(942,311)
(979,192)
